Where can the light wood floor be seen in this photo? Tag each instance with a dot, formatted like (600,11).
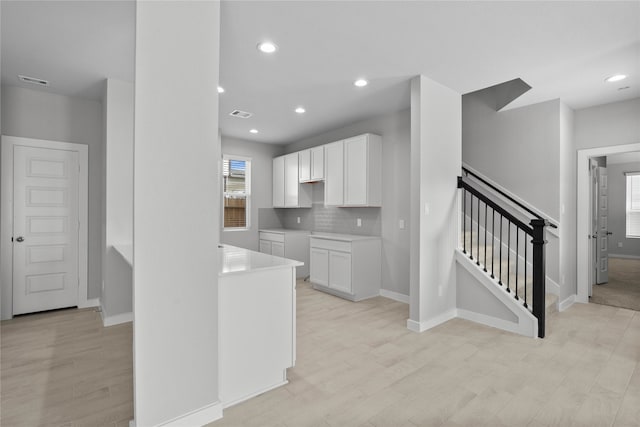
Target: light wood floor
(623,287)
(357,365)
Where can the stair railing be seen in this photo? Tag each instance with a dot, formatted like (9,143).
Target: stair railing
(507,263)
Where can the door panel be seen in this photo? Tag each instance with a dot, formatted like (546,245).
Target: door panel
(319,266)
(317,163)
(334,177)
(277,249)
(265,247)
(340,271)
(355,171)
(45,262)
(603,227)
(291,181)
(278,182)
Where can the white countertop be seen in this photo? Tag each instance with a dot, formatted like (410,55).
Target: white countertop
(233,260)
(284,230)
(341,237)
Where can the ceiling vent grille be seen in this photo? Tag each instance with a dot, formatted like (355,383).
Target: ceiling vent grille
(240,114)
(33,80)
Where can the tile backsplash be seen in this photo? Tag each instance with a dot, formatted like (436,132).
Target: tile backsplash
(323,219)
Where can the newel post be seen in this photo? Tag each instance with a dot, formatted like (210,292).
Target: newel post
(539,274)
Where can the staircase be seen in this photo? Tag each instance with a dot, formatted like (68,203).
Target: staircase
(507,248)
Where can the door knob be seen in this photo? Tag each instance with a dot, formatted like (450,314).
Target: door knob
(20,239)
(609,233)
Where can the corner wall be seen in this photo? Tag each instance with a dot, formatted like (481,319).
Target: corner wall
(34,114)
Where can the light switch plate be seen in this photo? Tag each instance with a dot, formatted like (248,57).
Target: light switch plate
(298,220)
(359,222)
(401,224)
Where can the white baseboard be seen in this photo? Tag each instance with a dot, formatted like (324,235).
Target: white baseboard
(116,319)
(566,303)
(396,296)
(415,326)
(526,329)
(199,417)
(624,256)
(226,405)
(93,302)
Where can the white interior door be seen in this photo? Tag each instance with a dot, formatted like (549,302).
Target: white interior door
(45,229)
(602,250)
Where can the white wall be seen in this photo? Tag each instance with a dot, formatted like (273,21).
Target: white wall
(118,197)
(176,213)
(33,114)
(261,186)
(436,145)
(516,148)
(609,124)
(617,210)
(395,131)
(566,270)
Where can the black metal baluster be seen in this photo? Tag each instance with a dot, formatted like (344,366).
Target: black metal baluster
(525,270)
(500,265)
(493,238)
(517,258)
(471,228)
(508,254)
(464,220)
(485,238)
(478,236)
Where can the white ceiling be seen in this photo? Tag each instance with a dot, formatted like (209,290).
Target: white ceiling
(562,49)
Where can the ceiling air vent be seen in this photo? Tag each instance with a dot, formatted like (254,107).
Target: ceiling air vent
(240,114)
(33,80)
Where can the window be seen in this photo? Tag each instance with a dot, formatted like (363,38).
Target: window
(236,177)
(633,204)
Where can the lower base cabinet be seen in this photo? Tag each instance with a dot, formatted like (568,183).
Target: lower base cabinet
(346,266)
(292,244)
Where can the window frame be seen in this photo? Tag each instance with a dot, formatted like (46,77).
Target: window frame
(628,205)
(247,193)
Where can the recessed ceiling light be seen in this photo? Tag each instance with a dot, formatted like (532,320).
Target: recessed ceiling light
(254,131)
(300,110)
(220,89)
(615,78)
(267,47)
(361,83)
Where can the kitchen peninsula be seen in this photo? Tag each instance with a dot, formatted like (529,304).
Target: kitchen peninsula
(257,315)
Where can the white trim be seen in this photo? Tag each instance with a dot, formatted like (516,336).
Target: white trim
(396,296)
(623,256)
(566,303)
(116,319)
(199,417)
(520,200)
(527,323)
(93,302)
(583,220)
(493,322)
(422,326)
(6,216)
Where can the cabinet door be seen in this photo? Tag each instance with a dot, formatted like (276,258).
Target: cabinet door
(265,247)
(291,182)
(278,182)
(304,165)
(340,271)
(355,171)
(317,163)
(334,177)
(319,266)
(277,249)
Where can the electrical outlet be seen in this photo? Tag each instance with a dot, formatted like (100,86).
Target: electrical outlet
(401,224)
(298,220)
(619,244)
(359,222)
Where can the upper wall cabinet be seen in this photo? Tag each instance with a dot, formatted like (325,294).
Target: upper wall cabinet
(287,190)
(354,172)
(311,164)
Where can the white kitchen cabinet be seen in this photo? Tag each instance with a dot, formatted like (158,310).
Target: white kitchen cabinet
(288,192)
(311,164)
(291,244)
(354,172)
(278,182)
(317,163)
(346,266)
(334,174)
